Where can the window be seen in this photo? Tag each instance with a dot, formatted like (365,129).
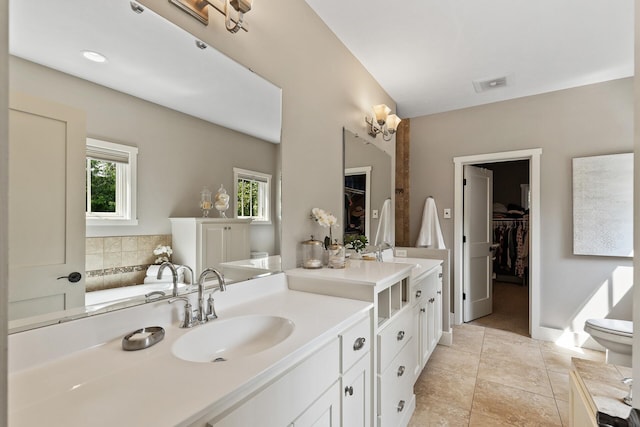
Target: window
(253,195)
(111,183)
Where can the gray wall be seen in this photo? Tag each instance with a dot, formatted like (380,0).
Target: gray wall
(177,154)
(585,121)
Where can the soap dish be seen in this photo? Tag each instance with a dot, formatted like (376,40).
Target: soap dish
(142,338)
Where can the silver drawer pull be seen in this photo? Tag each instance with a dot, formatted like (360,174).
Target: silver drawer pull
(400,335)
(401,371)
(431,300)
(400,406)
(359,343)
(439,292)
(348,390)
(440,275)
(424,310)
(418,293)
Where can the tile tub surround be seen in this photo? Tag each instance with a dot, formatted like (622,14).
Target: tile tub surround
(490,377)
(117,261)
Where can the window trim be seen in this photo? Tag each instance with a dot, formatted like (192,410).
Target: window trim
(126,194)
(257,176)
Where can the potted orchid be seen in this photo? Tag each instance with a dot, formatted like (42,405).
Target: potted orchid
(163,252)
(324,219)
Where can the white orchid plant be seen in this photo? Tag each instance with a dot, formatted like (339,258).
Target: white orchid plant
(324,219)
(163,252)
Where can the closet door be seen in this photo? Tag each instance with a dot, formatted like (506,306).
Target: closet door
(478,201)
(46,210)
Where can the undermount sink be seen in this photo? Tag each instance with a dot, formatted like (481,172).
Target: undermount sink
(226,339)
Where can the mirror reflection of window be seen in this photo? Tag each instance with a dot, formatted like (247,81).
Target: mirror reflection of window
(111,183)
(253,194)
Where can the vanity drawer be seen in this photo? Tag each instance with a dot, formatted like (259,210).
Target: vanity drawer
(395,387)
(355,342)
(393,337)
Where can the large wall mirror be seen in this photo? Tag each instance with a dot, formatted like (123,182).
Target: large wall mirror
(192,113)
(368,182)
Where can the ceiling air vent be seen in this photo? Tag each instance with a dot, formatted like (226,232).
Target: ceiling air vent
(484,85)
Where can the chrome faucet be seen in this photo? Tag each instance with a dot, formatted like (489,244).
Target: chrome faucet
(204,313)
(174,273)
(192,277)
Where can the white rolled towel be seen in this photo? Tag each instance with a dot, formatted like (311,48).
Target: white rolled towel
(152,271)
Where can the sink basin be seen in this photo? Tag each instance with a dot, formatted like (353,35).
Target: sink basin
(226,339)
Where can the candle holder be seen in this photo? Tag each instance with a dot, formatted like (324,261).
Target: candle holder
(205,202)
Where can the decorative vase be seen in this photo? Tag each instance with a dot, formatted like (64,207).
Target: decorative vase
(222,201)
(336,256)
(312,252)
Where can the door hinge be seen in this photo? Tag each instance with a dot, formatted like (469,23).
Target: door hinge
(464,181)
(464,239)
(464,296)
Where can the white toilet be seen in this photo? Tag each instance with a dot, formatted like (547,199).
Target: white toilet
(614,335)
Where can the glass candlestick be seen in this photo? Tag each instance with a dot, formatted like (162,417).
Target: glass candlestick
(205,202)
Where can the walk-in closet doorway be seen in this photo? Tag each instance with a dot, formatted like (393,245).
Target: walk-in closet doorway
(496,240)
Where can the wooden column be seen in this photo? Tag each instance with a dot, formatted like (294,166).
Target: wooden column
(402,183)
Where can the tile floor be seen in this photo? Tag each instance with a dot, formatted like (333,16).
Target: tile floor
(492,378)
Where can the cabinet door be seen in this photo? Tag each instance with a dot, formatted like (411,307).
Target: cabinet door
(324,412)
(425,333)
(417,343)
(47,143)
(213,245)
(356,394)
(237,242)
(432,333)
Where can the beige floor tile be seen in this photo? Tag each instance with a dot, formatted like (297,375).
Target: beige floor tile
(509,337)
(468,338)
(511,405)
(563,408)
(431,412)
(583,353)
(513,350)
(450,359)
(479,419)
(454,389)
(515,374)
(560,385)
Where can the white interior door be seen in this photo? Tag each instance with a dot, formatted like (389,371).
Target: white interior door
(477,272)
(46,206)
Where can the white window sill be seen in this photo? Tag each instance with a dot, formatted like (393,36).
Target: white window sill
(99,222)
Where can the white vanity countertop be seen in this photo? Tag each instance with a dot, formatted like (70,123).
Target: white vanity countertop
(420,266)
(358,272)
(106,386)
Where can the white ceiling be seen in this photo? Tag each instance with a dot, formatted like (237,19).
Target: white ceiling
(148,57)
(427,53)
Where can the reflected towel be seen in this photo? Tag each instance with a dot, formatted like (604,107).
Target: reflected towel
(152,271)
(430,233)
(383,234)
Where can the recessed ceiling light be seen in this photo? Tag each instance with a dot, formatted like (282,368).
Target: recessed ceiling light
(94,56)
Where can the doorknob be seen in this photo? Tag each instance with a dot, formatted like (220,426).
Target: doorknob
(73,277)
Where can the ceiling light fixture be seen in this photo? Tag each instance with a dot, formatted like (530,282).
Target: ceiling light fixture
(94,56)
(382,122)
(199,9)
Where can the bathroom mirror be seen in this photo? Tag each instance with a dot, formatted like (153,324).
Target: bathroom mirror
(368,184)
(191,112)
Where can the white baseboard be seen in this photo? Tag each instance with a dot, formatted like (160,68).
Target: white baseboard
(567,338)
